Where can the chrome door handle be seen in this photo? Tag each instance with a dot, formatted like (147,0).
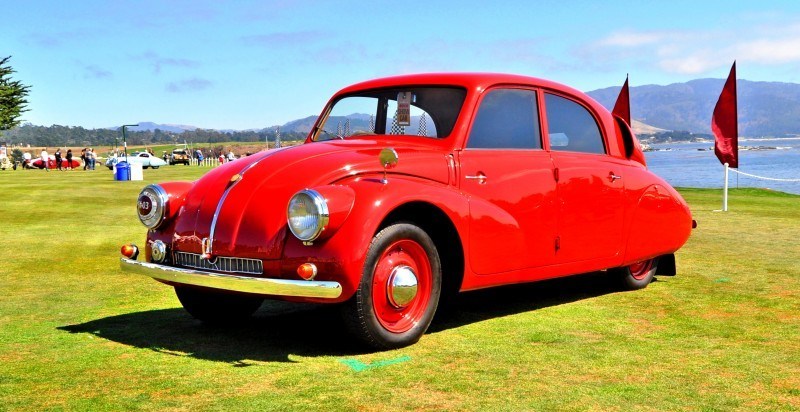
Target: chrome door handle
(612,177)
(480,177)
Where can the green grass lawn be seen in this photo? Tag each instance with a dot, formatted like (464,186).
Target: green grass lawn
(77,334)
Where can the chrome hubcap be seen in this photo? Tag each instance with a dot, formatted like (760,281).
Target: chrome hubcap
(402,286)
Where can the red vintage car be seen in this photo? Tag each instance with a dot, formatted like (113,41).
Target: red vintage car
(51,163)
(411,188)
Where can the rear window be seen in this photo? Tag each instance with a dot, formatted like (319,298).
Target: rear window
(409,111)
(571,127)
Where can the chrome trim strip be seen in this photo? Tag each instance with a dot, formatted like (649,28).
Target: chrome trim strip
(261,286)
(230,187)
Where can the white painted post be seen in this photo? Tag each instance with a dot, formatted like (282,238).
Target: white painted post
(725,192)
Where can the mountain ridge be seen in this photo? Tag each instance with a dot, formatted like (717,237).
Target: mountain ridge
(765,108)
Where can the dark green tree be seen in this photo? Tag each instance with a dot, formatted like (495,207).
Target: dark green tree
(12,96)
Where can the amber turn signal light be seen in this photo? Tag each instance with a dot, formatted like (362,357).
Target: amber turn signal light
(307,271)
(130,251)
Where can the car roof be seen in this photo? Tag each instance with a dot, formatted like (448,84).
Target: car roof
(466,80)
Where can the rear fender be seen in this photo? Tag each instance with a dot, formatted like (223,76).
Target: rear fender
(661,224)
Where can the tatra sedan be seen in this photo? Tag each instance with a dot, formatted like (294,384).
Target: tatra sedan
(413,188)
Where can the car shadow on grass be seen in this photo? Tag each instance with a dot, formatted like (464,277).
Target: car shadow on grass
(280,330)
(480,305)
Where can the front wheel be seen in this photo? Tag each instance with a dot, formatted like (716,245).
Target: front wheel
(216,307)
(638,275)
(155,167)
(399,290)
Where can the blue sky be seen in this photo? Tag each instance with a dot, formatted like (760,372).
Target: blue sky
(252,64)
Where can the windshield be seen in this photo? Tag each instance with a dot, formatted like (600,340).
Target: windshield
(410,111)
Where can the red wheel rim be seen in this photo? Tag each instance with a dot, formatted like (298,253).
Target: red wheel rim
(401,253)
(639,270)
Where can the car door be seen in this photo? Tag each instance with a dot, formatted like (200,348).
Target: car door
(590,183)
(509,181)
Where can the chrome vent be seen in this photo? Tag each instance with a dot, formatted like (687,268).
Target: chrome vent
(220,263)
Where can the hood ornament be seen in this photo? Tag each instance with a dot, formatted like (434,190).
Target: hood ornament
(388,159)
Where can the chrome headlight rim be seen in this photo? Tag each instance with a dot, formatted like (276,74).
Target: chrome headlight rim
(322,211)
(159,200)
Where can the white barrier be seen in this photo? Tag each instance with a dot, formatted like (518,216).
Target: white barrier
(765,178)
(206,162)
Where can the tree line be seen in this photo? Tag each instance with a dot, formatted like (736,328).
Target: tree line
(73,136)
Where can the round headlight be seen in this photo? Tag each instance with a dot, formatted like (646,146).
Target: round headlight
(307,215)
(152,205)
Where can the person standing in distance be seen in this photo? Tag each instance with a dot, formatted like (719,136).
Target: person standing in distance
(45,158)
(69,159)
(58,159)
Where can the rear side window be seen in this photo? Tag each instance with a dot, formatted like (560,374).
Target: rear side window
(506,119)
(571,127)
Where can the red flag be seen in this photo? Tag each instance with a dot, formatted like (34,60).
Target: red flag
(622,107)
(725,125)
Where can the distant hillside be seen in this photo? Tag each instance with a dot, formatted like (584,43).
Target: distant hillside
(642,128)
(150,126)
(765,108)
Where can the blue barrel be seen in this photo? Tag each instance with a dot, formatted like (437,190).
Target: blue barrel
(123,171)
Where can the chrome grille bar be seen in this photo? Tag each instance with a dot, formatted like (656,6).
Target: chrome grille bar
(221,263)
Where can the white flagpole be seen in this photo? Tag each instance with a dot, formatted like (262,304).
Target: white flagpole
(725,192)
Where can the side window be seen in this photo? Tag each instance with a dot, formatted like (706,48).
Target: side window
(571,127)
(506,119)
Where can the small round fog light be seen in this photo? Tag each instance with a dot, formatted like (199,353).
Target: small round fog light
(159,251)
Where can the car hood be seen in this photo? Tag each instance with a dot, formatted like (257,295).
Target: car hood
(240,207)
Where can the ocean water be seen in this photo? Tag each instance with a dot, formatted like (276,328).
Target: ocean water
(695,165)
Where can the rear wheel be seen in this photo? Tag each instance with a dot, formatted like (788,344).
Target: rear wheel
(637,275)
(399,290)
(216,307)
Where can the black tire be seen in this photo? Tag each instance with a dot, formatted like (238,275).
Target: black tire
(155,167)
(636,276)
(217,308)
(371,314)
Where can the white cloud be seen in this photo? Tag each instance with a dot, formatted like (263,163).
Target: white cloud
(696,52)
(770,51)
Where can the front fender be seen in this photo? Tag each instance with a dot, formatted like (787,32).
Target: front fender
(340,257)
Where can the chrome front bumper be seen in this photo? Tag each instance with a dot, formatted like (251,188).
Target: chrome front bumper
(234,283)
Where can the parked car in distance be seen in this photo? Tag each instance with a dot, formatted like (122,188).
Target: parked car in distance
(179,156)
(411,188)
(144,158)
